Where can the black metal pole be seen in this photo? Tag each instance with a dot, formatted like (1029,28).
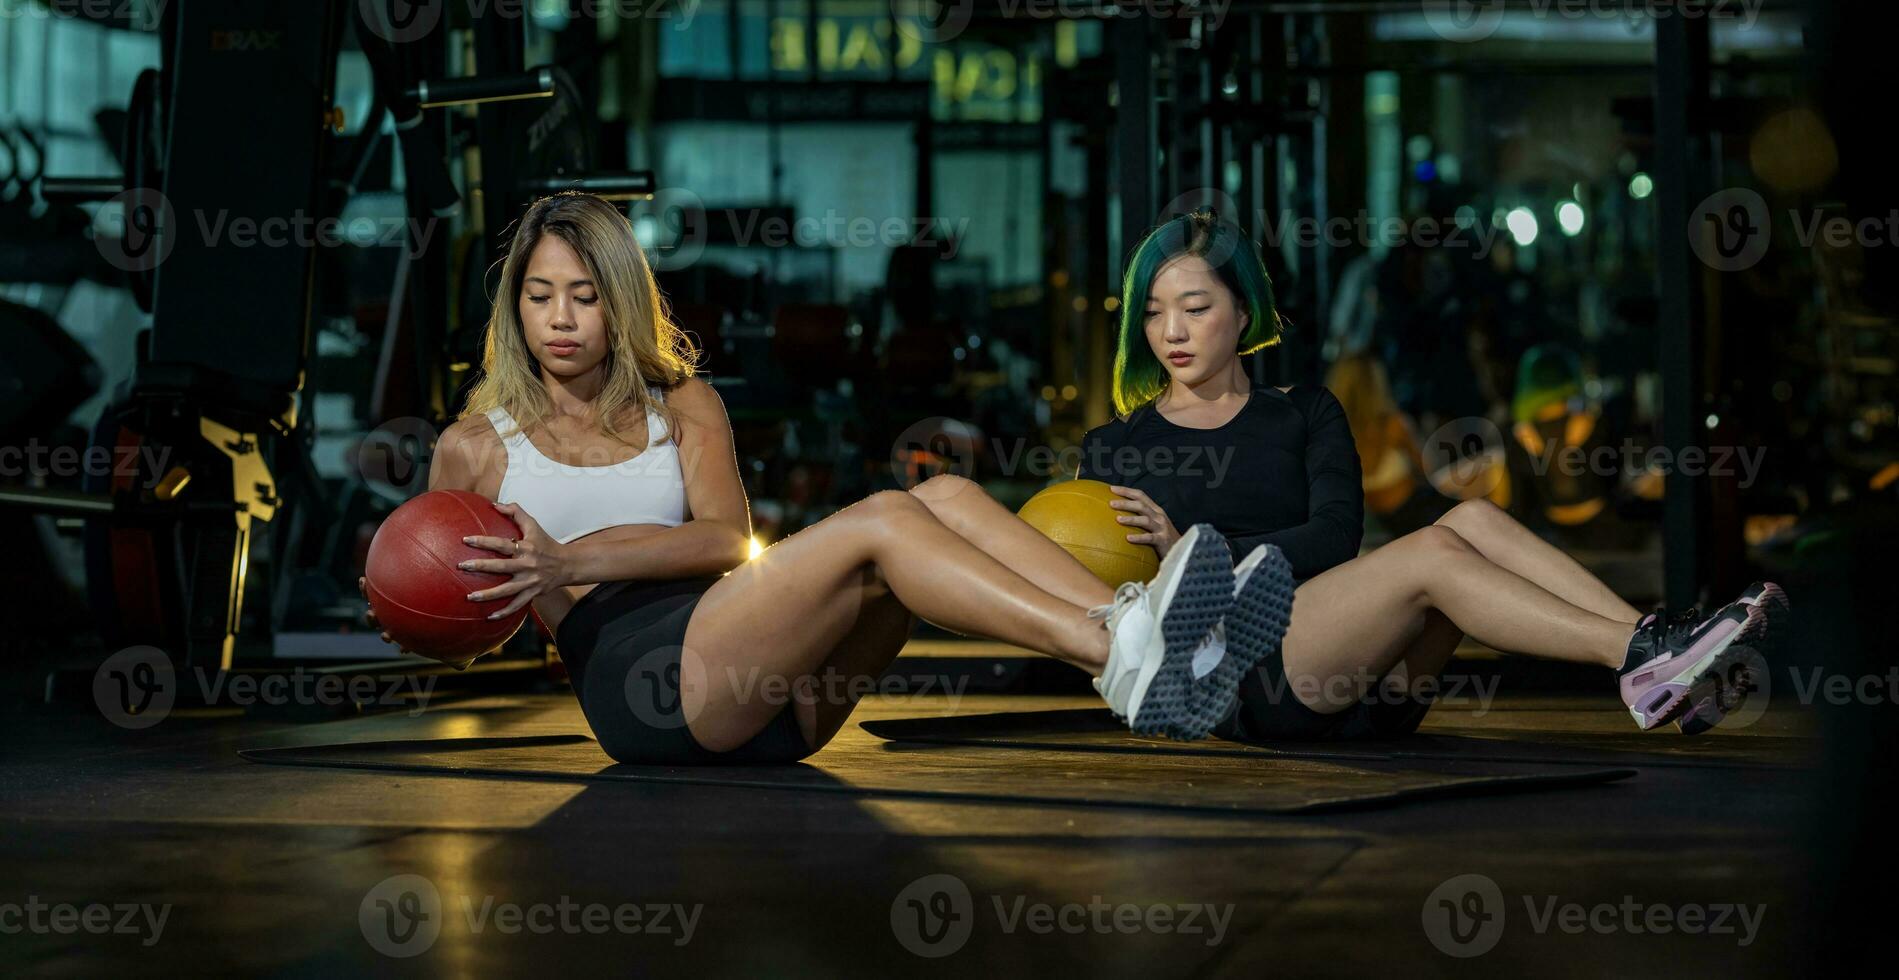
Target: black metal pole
(1133,135)
(1681,182)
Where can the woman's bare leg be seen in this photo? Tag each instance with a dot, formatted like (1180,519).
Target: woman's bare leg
(1508,543)
(782,615)
(1353,624)
(966,508)
(1427,653)
(885,624)
(830,693)
(1424,647)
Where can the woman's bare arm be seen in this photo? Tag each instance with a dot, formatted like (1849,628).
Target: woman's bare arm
(554,606)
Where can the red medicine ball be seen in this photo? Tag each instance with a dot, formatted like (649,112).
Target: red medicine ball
(415,589)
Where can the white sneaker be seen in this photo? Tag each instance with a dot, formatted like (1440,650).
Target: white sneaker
(1158,631)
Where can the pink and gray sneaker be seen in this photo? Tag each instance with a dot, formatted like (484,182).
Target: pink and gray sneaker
(1671,663)
(1722,694)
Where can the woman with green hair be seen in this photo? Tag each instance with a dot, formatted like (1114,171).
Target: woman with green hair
(1282,481)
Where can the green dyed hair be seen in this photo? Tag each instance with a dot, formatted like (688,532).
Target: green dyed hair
(1138,375)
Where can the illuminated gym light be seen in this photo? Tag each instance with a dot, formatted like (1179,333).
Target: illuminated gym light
(755,550)
(1466,217)
(1714,420)
(1570,217)
(1522,225)
(1449,168)
(646,231)
(1640,186)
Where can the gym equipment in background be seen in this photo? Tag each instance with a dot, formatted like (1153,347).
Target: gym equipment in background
(216,415)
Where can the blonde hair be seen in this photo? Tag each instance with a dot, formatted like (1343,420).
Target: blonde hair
(644,346)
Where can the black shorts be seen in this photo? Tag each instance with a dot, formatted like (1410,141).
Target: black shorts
(1270,711)
(621,643)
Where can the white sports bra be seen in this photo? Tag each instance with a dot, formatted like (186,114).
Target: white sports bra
(574,501)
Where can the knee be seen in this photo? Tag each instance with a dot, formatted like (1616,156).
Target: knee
(948,496)
(944,488)
(886,511)
(1473,516)
(886,503)
(1436,542)
(1427,556)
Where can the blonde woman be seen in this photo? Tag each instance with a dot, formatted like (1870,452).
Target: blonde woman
(589,429)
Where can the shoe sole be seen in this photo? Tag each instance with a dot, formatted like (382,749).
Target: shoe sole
(1166,582)
(1262,610)
(1202,598)
(1759,638)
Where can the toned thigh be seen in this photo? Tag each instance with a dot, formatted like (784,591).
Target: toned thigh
(767,623)
(964,507)
(1353,623)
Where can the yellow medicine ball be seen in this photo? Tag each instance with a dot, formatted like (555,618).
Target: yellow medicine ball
(1076,516)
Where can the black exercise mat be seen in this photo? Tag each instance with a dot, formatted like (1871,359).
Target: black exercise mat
(1249,786)
(1096,730)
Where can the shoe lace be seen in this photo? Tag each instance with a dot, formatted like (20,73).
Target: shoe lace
(1675,627)
(1128,592)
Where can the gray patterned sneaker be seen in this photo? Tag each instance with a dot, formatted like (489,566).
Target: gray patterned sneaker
(1157,630)
(1262,609)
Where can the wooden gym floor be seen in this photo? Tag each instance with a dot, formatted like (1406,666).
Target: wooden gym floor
(271,869)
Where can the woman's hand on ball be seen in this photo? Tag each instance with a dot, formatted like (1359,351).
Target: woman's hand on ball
(537,564)
(1142,512)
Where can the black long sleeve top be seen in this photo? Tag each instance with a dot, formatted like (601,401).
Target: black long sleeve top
(1283,471)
